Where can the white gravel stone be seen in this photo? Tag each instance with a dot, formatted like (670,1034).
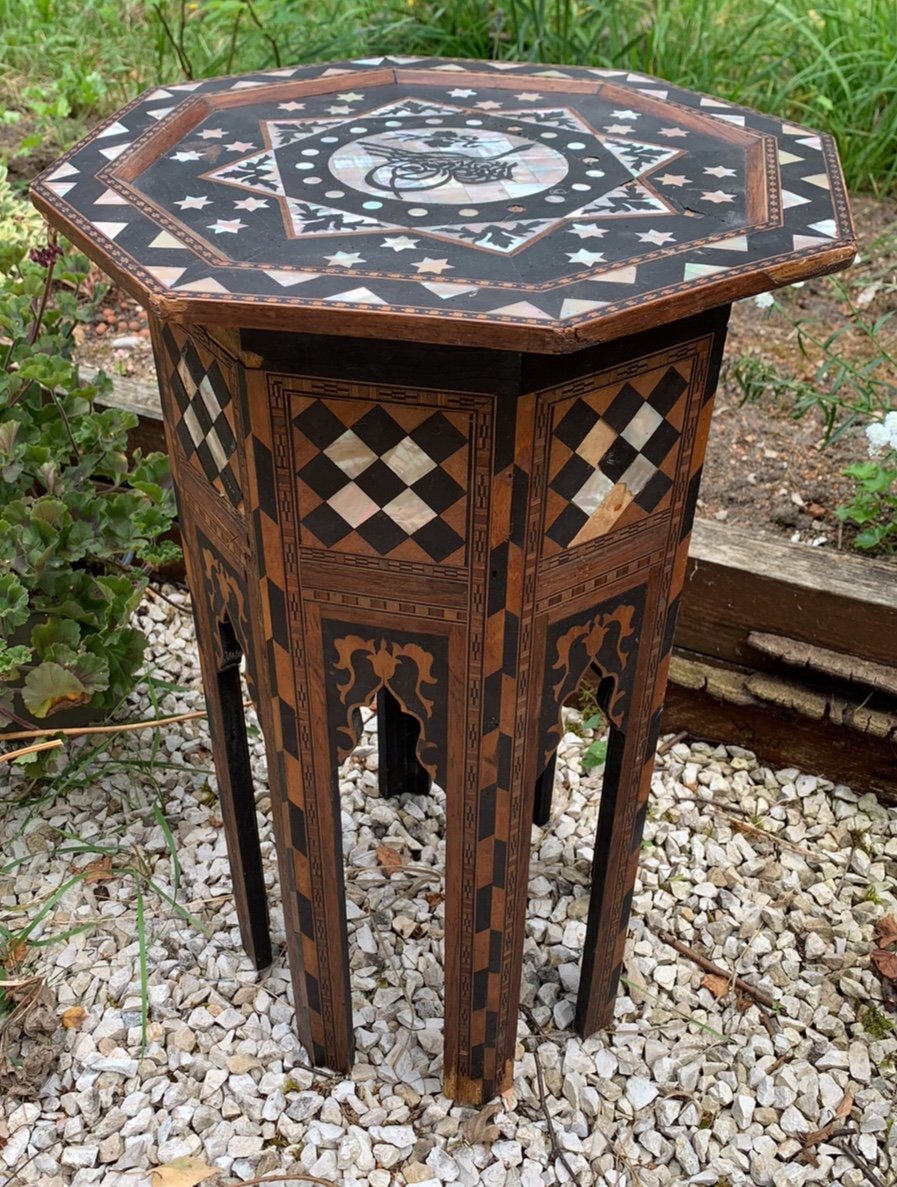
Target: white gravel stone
(658,1099)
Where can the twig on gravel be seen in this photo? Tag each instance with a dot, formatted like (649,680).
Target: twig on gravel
(157,593)
(292,1177)
(667,746)
(842,1140)
(731,813)
(843,878)
(120,728)
(23,750)
(708,966)
(556,1151)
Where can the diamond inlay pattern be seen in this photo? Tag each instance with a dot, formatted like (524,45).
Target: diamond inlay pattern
(204,430)
(377,482)
(613,455)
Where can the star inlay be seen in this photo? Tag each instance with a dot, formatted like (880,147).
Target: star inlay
(212,133)
(189,203)
(673,133)
(232,226)
(345,259)
(400,243)
(587,230)
(185,156)
(718,196)
(428,265)
(675,179)
(336,176)
(240,146)
(720,171)
(657,237)
(251,204)
(585,257)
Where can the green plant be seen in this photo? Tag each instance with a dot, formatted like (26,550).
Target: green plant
(874,504)
(876,1024)
(79,520)
(592,720)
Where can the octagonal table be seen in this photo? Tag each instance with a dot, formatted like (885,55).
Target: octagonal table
(437,344)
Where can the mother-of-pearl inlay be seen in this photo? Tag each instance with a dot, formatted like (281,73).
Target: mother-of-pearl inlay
(449,166)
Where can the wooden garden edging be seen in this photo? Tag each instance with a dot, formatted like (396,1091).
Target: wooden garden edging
(791,652)
(786,650)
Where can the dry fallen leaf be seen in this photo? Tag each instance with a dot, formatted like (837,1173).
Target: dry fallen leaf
(477,1129)
(182,1172)
(822,1135)
(886,963)
(843,1109)
(886,931)
(509,1099)
(99,870)
(718,986)
(73,1017)
(15,954)
(389,858)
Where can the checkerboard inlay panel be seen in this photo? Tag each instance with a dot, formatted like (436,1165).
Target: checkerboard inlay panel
(383,481)
(204,429)
(613,455)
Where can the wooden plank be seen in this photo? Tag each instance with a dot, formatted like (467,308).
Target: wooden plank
(741,581)
(783,738)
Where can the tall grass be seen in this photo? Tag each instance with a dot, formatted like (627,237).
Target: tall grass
(832,65)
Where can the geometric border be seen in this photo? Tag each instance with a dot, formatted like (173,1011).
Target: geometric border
(815,237)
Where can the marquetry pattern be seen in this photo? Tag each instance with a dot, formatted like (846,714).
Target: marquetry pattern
(204,408)
(631,754)
(383,481)
(323,647)
(613,455)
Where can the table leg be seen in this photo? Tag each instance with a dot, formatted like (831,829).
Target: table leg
(217,600)
(544,791)
(624,802)
(397,735)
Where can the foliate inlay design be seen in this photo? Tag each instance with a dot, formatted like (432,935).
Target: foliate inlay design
(452,174)
(613,454)
(605,637)
(385,481)
(204,428)
(414,668)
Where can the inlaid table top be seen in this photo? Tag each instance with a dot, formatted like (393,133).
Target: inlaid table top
(508,204)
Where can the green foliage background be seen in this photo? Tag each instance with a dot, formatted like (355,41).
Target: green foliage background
(832,65)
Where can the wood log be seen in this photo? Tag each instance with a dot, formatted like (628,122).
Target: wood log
(741,582)
(786,723)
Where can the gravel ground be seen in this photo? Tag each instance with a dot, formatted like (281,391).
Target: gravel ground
(781,881)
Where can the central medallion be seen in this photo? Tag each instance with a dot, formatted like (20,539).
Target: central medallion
(450,166)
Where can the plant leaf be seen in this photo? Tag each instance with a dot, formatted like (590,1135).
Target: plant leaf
(99,870)
(886,963)
(49,687)
(182,1172)
(886,931)
(718,986)
(73,1017)
(478,1130)
(389,858)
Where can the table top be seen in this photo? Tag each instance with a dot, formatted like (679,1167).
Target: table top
(486,203)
